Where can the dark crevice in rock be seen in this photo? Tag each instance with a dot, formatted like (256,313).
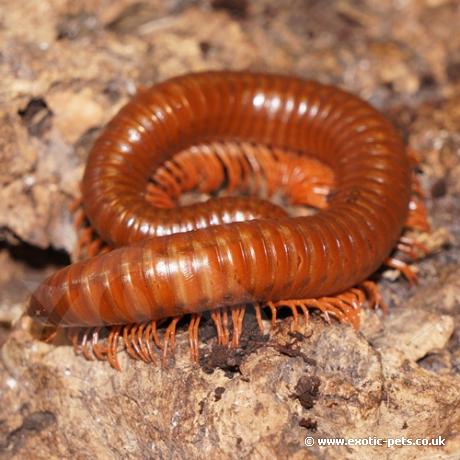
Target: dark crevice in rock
(36,115)
(34,256)
(34,423)
(236,8)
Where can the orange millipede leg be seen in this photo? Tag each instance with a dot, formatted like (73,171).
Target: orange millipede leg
(237,320)
(170,337)
(143,345)
(216,317)
(193,337)
(260,324)
(404,268)
(112,347)
(128,342)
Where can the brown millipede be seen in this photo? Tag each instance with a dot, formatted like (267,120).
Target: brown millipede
(220,255)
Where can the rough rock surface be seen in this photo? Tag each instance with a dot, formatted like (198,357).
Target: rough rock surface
(66,67)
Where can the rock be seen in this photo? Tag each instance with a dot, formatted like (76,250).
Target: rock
(416,333)
(332,375)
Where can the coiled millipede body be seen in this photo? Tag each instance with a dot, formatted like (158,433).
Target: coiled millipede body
(161,261)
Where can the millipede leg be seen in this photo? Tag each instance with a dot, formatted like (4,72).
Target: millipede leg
(413,248)
(231,167)
(414,155)
(75,204)
(216,317)
(128,342)
(138,344)
(144,352)
(95,247)
(74,335)
(99,351)
(224,312)
(168,181)
(147,335)
(413,242)
(418,218)
(360,296)
(326,309)
(240,318)
(272,307)
(49,334)
(85,236)
(112,347)
(133,338)
(84,345)
(193,337)
(326,316)
(158,197)
(156,337)
(373,294)
(404,268)
(170,337)
(260,324)
(295,316)
(349,300)
(350,314)
(292,305)
(237,320)
(304,309)
(408,250)
(79,218)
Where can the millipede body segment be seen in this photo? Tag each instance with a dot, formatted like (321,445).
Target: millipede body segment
(232,251)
